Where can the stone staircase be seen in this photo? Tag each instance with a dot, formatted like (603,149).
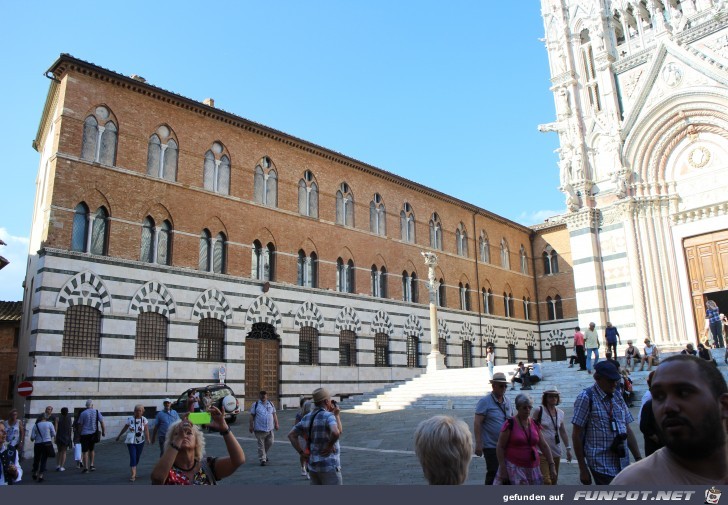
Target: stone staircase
(461,388)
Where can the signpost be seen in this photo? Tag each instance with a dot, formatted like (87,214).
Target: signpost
(25,388)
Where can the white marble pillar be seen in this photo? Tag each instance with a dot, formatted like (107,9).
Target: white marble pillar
(435,360)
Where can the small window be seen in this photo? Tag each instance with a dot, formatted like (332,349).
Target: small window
(99,137)
(407,223)
(461,240)
(162,154)
(413,351)
(511,353)
(467,354)
(409,287)
(347,348)
(381,349)
(344,276)
(484,247)
(308,195)
(530,353)
(435,232)
(524,261)
(151,336)
(216,169)
(82,332)
(265,183)
(219,254)
(345,205)
(377,216)
(308,347)
(505,255)
(442,347)
(263,262)
(211,340)
(379,282)
(79,234)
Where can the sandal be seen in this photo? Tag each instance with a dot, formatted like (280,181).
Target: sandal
(92,468)
(132,479)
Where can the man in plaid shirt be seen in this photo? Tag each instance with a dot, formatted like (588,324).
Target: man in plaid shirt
(321,428)
(601,428)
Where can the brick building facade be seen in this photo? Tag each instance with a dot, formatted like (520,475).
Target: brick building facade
(171,238)
(9,338)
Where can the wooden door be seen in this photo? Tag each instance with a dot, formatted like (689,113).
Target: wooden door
(707,262)
(262,364)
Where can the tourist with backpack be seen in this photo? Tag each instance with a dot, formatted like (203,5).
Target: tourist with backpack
(263,420)
(551,420)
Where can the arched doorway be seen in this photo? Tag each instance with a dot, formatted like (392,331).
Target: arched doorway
(262,363)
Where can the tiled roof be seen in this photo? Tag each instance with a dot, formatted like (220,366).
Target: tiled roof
(11,311)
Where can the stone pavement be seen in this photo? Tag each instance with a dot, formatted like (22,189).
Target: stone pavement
(377,448)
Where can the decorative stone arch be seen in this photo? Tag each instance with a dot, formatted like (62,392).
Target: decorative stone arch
(511,337)
(348,320)
(263,310)
(442,329)
(382,324)
(213,304)
(413,327)
(556,337)
(85,288)
(530,338)
(308,314)
(466,332)
(489,332)
(153,297)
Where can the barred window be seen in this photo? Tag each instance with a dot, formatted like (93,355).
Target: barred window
(511,353)
(381,349)
(530,353)
(82,332)
(413,351)
(347,348)
(210,340)
(308,346)
(467,354)
(442,347)
(151,336)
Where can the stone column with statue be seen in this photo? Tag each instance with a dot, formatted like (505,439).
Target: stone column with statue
(435,360)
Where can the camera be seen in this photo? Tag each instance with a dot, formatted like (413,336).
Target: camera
(617,446)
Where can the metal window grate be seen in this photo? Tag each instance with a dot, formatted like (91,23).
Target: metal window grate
(442,347)
(82,332)
(211,340)
(151,336)
(511,353)
(347,348)
(308,349)
(381,349)
(530,354)
(467,354)
(413,351)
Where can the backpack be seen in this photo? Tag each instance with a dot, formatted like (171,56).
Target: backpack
(7,458)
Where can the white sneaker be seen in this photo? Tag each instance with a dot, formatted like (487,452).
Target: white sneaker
(304,473)
(63,469)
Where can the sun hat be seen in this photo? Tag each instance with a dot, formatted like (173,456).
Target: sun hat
(320,395)
(552,390)
(499,377)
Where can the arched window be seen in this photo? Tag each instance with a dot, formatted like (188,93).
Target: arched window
(381,349)
(526,311)
(524,261)
(263,262)
(506,305)
(307,269)
(464,296)
(409,287)
(151,336)
(461,240)
(377,216)
(205,250)
(551,308)
(156,244)
(407,223)
(467,354)
(99,137)
(219,254)
(308,195)
(546,263)
(265,183)
(558,309)
(96,241)
(216,170)
(308,346)
(379,282)
(413,351)
(435,232)
(345,205)
(484,247)
(590,72)
(550,261)
(554,262)
(162,154)
(441,299)
(164,243)
(210,340)
(345,276)
(81,332)
(347,348)
(505,255)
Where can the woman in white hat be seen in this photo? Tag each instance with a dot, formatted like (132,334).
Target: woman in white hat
(551,420)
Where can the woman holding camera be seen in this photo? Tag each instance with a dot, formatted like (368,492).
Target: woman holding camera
(517,449)
(138,428)
(183,462)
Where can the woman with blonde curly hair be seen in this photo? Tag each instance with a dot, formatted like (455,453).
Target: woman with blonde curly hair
(182,462)
(444,447)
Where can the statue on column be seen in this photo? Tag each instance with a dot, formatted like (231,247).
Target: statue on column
(572,200)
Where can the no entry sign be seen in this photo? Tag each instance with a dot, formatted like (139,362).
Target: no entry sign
(25,388)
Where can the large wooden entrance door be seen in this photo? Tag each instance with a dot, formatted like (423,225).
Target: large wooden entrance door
(261,363)
(707,262)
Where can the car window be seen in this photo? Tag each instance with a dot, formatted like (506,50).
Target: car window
(221,393)
(182,399)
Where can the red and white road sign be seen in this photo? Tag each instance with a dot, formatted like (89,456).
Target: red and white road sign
(25,388)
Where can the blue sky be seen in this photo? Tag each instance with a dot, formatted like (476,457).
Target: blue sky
(448,94)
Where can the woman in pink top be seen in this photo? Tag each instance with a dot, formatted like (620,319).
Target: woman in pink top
(517,448)
(579,348)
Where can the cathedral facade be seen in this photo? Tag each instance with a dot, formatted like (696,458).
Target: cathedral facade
(641,95)
(175,244)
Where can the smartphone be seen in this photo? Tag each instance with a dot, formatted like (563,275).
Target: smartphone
(199,417)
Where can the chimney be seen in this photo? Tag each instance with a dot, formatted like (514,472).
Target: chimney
(138,78)
(209,101)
